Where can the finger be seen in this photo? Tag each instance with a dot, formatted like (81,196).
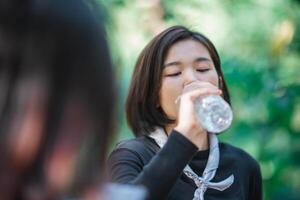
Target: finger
(197,93)
(198,85)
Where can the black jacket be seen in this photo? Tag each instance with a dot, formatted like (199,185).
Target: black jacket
(140,161)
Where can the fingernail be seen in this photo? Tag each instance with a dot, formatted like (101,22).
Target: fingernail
(177,99)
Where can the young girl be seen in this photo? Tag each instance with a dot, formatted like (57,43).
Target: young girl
(172,156)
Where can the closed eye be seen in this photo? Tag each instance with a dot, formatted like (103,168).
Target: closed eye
(174,74)
(203,70)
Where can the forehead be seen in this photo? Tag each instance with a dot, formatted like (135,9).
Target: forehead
(188,47)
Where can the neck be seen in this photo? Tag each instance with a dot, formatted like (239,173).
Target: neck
(169,129)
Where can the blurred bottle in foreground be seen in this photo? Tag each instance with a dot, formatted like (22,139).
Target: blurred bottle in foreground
(124,192)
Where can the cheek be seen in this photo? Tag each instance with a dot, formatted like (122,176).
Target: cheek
(213,78)
(169,92)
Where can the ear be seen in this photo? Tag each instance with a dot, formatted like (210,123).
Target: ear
(158,100)
(220,82)
(221,86)
(157,105)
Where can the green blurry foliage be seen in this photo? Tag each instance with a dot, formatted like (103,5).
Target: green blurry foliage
(259,45)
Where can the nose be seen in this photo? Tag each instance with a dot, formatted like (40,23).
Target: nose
(189,76)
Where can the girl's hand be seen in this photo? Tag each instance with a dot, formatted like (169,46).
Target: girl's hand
(187,122)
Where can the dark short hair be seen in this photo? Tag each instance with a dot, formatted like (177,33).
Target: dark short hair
(142,112)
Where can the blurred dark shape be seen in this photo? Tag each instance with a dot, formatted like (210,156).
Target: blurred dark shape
(56,98)
(297,1)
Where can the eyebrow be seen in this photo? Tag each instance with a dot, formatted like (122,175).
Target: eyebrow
(199,59)
(171,63)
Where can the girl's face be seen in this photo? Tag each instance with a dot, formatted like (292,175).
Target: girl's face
(186,61)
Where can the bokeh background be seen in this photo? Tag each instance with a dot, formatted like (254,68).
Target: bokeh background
(259,45)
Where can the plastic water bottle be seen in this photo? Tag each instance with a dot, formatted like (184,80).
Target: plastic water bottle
(214,113)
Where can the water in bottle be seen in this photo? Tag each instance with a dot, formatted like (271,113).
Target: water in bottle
(214,113)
